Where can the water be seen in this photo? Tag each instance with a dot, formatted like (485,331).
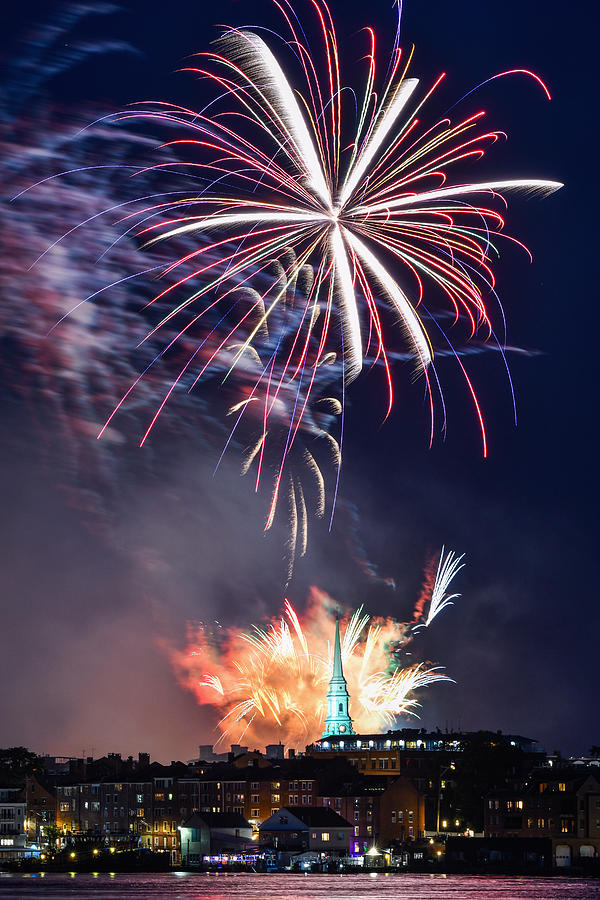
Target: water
(173,886)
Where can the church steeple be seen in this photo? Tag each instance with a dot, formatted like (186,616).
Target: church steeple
(338,719)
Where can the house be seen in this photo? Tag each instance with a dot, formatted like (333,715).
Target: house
(13,838)
(195,840)
(302,828)
(213,833)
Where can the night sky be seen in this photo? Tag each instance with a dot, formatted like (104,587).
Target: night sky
(86,622)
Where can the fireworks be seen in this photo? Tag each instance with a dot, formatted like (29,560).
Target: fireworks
(362,193)
(321,206)
(275,679)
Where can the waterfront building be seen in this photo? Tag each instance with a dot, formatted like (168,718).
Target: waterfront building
(560,804)
(212,834)
(13,838)
(315,828)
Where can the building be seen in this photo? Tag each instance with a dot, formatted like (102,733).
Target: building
(40,810)
(195,840)
(212,834)
(13,838)
(315,828)
(338,720)
(383,812)
(563,805)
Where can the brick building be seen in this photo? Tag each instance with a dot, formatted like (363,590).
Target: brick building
(563,805)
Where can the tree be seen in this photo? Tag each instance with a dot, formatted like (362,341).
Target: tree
(17,762)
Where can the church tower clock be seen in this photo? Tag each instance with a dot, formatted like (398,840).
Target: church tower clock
(338,719)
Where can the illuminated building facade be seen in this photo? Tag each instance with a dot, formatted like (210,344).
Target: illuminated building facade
(338,717)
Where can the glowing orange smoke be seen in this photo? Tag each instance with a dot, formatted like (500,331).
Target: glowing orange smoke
(271,683)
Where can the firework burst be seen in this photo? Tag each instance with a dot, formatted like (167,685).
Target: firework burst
(359,190)
(274,678)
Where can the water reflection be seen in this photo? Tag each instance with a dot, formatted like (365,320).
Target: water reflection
(373,886)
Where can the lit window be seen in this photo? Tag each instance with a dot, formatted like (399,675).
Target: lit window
(325,836)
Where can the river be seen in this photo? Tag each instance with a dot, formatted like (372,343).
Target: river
(182,885)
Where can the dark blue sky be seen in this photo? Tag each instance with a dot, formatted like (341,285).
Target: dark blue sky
(522,644)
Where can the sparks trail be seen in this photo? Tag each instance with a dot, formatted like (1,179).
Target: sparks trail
(370,205)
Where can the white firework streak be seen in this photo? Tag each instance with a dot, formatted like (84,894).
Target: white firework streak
(448,568)
(363,202)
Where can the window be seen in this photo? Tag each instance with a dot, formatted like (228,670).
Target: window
(325,836)
(411,831)
(140,812)
(562,786)
(255,786)
(400,816)
(293,801)
(139,798)
(383,763)
(255,813)
(393,762)
(165,826)
(393,817)
(256,798)
(275,798)
(309,785)
(356,831)
(410,817)
(356,815)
